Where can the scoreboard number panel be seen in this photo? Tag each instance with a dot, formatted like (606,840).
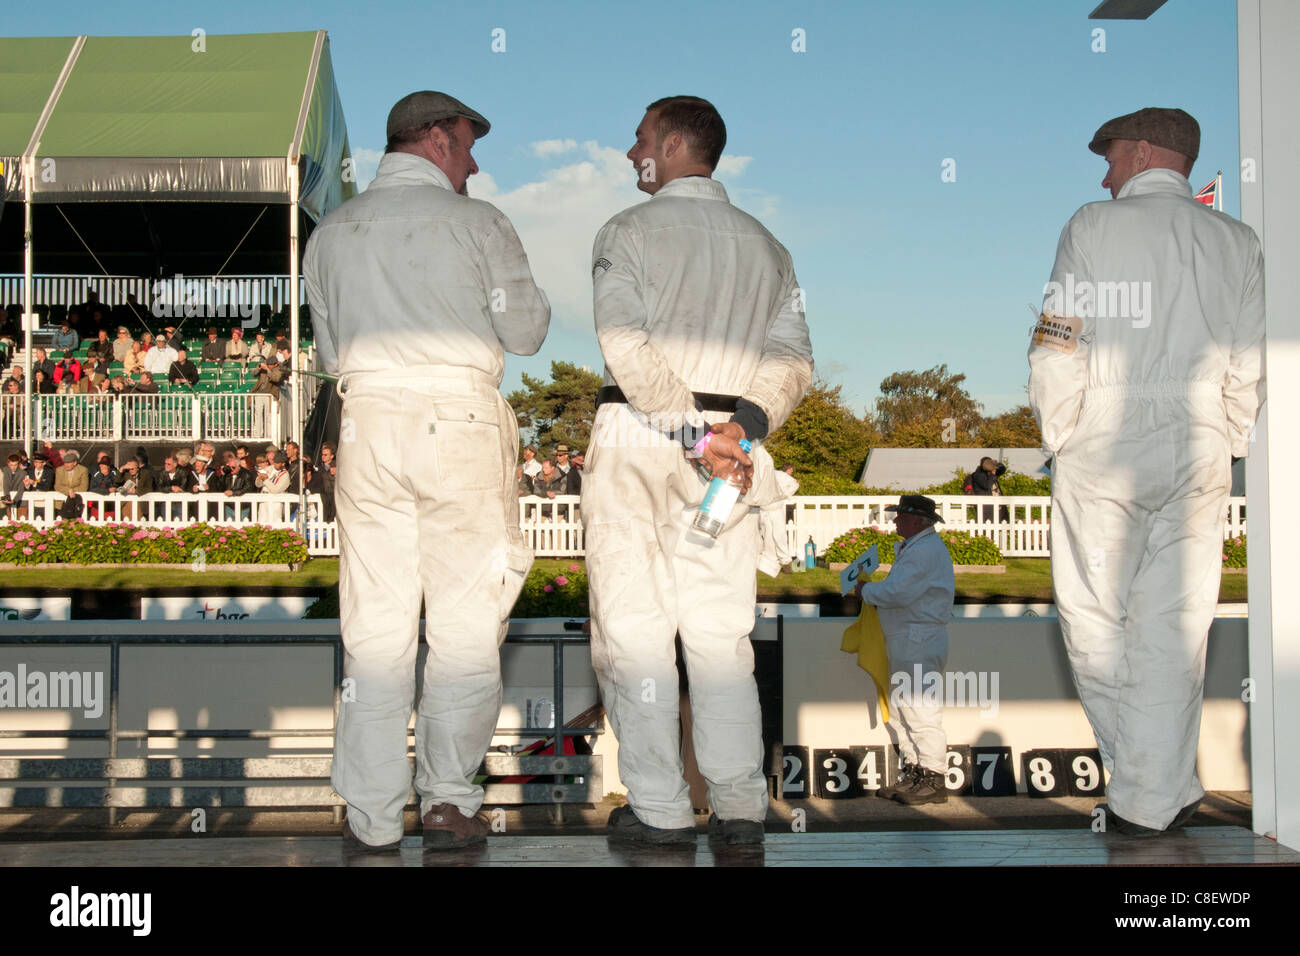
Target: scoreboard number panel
(992,772)
(834,774)
(872,769)
(958,773)
(1083,772)
(1045,772)
(794,773)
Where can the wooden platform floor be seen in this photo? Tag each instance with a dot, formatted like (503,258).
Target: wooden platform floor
(1194,846)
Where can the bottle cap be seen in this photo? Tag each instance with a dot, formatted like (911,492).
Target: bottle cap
(746,445)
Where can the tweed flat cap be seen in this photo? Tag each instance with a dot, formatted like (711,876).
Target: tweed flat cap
(427,106)
(1170,128)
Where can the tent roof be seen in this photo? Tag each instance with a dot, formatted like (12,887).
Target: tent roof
(173,118)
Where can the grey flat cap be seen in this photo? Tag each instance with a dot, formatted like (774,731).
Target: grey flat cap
(1170,128)
(428,106)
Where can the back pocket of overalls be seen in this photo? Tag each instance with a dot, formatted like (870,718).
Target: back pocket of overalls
(468,438)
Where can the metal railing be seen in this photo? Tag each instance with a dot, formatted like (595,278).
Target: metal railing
(176,416)
(14,764)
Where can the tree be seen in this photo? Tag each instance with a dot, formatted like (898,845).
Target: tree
(927,409)
(1014,429)
(561,410)
(823,439)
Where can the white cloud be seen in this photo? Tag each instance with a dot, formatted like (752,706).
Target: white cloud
(366,162)
(732,166)
(552,147)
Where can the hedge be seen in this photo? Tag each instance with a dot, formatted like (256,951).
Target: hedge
(75,542)
(963,547)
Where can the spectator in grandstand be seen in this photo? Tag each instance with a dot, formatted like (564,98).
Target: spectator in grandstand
(66,338)
(523,484)
(12,387)
(158,360)
(69,369)
(327,473)
(573,478)
(205,479)
(129,311)
(548,484)
(133,481)
(261,350)
(275,480)
(41,385)
(16,374)
(208,451)
(183,371)
(104,387)
(117,384)
(101,345)
(213,350)
(532,467)
(72,478)
(40,477)
(146,342)
(99,322)
(183,458)
(146,384)
(123,344)
(93,372)
(272,375)
(174,479)
(133,364)
(15,483)
(42,362)
(562,458)
(52,454)
(65,387)
(102,482)
(171,339)
(240,481)
(236,349)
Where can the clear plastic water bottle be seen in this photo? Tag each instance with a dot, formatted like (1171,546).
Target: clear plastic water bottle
(719,499)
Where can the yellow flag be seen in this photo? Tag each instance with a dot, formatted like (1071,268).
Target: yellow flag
(866,637)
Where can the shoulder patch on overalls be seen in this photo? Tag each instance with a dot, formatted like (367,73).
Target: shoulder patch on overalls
(1059,332)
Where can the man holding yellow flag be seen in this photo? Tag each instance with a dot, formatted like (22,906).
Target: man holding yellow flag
(915,605)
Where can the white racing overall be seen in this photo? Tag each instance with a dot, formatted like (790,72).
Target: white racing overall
(691,295)
(1142,402)
(403,281)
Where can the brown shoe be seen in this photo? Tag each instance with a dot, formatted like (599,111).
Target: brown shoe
(354,844)
(446,828)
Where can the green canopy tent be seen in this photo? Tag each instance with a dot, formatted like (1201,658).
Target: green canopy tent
(156,156)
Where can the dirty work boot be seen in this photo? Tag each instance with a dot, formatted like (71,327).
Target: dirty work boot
(735,832)
(625,827)
(927,786)
(353,844)
(446,828)
(903,782)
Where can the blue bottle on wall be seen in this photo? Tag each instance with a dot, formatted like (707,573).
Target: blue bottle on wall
(810,554)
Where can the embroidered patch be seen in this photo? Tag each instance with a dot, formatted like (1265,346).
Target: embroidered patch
(1059,332)
(601,263)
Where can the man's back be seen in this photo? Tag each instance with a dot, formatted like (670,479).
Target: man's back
(387,277)
(715,281)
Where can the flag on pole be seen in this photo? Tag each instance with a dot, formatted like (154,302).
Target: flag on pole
(1209,193)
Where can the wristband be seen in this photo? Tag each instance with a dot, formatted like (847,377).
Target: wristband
(698,450)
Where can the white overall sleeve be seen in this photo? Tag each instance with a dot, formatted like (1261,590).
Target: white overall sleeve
(1058,371)
(785,370)
(519,310)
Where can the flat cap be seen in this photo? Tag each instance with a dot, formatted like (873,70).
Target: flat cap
(1170,128)
(428,106)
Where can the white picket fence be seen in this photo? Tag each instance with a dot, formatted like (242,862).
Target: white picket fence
(182,417)
(553,526)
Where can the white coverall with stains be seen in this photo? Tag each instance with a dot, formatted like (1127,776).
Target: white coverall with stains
(415,291)
(691,295)
(1145,391)
(915,604)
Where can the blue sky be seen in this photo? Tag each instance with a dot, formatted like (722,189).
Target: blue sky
(839,149)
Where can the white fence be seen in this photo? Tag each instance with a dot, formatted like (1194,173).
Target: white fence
(1019,526)
(182,417)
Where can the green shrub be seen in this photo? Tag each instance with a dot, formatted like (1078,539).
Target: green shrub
(1234,552)
(559,595)
(963,547)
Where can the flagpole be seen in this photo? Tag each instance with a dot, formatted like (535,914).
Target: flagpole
(1218,189)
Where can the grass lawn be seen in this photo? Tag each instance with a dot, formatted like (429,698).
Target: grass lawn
(1026,579)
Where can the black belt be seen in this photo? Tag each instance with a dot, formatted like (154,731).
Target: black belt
(704,401)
